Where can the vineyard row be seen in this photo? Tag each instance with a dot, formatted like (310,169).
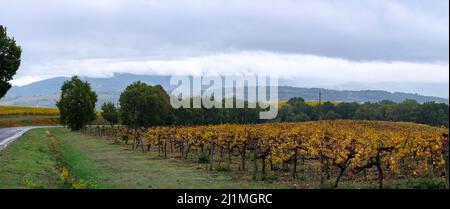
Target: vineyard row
(335,149)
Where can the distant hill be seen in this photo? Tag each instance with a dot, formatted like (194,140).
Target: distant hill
(46,92)
(429,89)
(115,84)
(286,92)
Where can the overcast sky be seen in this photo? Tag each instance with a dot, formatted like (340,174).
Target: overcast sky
(328,41)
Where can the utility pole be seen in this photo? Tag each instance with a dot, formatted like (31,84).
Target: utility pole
(320,103)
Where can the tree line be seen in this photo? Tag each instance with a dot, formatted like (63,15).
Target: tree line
(142,105)
(430,113)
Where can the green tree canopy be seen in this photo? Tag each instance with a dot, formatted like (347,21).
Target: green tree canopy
(142,105)
(431,113)
(347,110)
(76,104)
(110,113)
(9,60)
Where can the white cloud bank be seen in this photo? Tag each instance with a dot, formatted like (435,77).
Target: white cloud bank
(324,70)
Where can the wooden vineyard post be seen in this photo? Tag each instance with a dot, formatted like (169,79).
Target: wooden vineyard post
(322,171)
(229,155)
(255,159)
(165,148)
(264,174)
(446,144)
(243,157)
(294,171)
(159,146)
(446,168)
(211,155)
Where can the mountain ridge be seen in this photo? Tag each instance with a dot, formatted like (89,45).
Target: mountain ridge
(45,93)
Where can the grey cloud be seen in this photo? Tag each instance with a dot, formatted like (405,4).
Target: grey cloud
(357,30)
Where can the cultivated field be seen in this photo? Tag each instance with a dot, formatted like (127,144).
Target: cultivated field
(12,116)
(16,110)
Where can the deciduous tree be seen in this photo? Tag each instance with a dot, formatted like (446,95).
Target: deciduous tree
(10,54)
(76,104)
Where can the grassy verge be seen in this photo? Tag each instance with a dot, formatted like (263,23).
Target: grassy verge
(28,163)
